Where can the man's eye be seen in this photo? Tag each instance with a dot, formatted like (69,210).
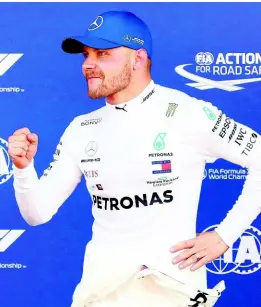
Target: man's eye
(101,53)
(85,55)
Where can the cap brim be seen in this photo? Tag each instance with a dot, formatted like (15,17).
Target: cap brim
(76,44)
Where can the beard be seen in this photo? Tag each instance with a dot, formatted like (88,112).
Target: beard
(111,86)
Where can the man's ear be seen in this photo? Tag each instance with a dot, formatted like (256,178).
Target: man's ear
(140,58)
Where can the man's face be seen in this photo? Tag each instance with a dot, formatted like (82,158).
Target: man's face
(107,71)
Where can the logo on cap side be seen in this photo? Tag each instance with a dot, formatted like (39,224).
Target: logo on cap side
(127,38)
(96,24)
(138,40)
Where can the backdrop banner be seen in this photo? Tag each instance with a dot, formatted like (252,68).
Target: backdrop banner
(211,51)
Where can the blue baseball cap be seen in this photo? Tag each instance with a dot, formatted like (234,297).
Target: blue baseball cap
(111,30)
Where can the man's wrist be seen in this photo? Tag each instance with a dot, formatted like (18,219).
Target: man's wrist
(22,172)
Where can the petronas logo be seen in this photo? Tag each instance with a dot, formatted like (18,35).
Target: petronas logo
(159,143)
(209,113)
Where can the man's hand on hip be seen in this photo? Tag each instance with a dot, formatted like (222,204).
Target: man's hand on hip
(196,252)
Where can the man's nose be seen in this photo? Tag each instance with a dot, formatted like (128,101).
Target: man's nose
(89,63)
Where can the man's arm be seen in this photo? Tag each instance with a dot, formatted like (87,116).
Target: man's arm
(40,198)
(215,135)
(239,144)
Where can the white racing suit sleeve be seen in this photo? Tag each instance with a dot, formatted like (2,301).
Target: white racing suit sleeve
(221,137)
(39,199)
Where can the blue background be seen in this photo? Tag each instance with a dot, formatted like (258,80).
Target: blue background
(55,92)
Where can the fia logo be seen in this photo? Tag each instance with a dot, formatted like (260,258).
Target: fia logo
(6,167)
(242,258)
(204,61)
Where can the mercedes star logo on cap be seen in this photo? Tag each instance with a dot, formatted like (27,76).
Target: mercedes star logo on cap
(96,24)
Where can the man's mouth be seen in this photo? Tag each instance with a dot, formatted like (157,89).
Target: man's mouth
(93,80)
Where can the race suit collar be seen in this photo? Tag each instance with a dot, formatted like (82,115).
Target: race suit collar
(135,102)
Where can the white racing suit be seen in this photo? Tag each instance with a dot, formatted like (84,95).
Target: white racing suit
(143,162)
(115,284)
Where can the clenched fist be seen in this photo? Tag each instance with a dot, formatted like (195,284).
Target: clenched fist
(22,147)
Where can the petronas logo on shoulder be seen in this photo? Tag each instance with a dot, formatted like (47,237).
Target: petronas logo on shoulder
(209,113)
(159,143)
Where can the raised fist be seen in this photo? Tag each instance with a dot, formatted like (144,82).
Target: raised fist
(22,147)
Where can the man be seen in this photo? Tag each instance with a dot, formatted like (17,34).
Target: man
(143,157)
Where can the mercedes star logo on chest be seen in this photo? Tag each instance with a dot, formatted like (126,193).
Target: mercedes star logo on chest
(91,148)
